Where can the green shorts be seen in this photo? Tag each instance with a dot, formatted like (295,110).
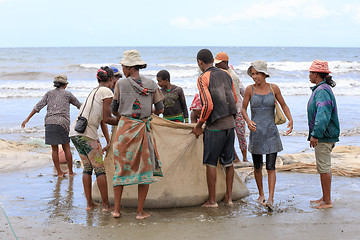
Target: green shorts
(323,156)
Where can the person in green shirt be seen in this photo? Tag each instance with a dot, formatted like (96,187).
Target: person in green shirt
(175,108)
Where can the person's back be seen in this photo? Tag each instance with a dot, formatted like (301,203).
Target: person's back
(58,103)
(127,92)
(218,109)
(221,92)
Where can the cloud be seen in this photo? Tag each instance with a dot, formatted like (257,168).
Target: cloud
(353,11)
(279,9)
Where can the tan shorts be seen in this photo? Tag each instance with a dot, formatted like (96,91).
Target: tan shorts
(323,156)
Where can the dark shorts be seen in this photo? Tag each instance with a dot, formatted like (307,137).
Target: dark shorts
(56,134)
(270,161)
(219,146)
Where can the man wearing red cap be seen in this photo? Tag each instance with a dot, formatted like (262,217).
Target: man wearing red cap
(324,127)
(222,61)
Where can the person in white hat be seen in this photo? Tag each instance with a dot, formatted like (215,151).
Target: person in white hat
(136,159)
(264,135)
(57,120)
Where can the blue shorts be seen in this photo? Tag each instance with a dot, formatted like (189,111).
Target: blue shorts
(219,146)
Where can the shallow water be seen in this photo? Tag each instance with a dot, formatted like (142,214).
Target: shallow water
(39,193)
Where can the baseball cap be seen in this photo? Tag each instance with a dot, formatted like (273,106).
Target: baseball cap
(221,56)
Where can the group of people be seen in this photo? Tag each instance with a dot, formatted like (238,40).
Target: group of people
(221,105)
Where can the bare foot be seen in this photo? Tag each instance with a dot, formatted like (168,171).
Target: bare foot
(323,205)
(142,215)
(261,199)
(116,214)
(269,205)
(92,206)
(61,174)
(245,160)
(107,208)
(236,161)
(316,201)
(210,205)
(71,174)
(229,203)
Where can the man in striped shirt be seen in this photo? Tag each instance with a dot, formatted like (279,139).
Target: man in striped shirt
(218,99)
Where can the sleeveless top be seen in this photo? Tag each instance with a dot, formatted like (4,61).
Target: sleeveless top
(266,138)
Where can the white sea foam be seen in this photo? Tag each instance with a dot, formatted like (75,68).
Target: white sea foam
(289,66)
(81,88)
(98,65)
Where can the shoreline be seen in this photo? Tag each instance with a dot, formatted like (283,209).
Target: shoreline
(41,206)
(57,211)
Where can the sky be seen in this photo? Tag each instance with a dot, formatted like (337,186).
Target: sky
(68,23)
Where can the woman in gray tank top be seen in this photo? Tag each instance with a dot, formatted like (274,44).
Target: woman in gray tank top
(264,135)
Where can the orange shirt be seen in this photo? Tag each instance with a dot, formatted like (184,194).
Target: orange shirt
(203,86)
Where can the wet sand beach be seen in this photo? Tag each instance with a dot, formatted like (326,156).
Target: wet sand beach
(41,206)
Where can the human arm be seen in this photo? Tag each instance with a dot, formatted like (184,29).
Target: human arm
(74,101)
(203,86)
(158,102)
(322,115)
(115,108)
(115,102)
(193,117)
(32,113)
(246,100)
(197,130)
(42,103)
(313,142)
(242,89)
(107,118)
(105,130)
(183,105)
(284,107)
(158,108)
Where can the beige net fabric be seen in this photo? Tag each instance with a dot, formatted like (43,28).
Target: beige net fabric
(184,181)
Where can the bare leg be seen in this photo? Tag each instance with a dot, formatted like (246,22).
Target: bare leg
(117,196)
(259,184)
(68,156)
(229,185)
(325,179)
(237,159)
(87,189)
(271,182)
(211,183)
(142,193)
(244,154)
(55,158)
(102,184)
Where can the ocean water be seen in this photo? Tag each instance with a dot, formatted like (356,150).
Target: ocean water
(26,74)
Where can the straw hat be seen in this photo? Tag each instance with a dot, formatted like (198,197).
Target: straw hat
(132,58)
(319,66)
(61,78)
(260,66)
